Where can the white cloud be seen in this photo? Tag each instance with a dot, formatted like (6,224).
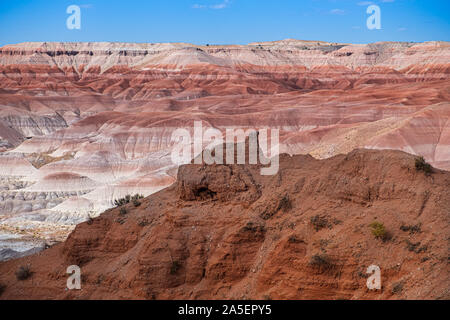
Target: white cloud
(364,3)
(217,6)
(368,3)
(337,11)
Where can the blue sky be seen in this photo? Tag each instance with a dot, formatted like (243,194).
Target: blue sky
(223,21)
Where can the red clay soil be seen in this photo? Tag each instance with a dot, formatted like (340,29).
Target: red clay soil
(226,232)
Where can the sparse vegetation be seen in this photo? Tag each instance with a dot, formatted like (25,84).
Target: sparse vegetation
(422,165)
(136,203)
(397,288)
(412,246)
(23,273)
(379,230)
(150,294)
(321,260)
(319,222)
(121,220)
(294,239)
(123,211)
(122,201)
(362,274)
(411,229)
(253,227)
(143,223)
(137,197)
(285,204)
(176,265)
(100,279)
(127,199)
(415,247)
(90,220)
(324,243)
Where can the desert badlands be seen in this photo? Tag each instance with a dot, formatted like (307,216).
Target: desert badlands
(85,124)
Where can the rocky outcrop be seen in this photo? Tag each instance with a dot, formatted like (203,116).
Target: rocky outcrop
(226,232)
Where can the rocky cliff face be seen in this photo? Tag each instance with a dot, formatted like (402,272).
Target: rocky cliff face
(226,232)
(99,116)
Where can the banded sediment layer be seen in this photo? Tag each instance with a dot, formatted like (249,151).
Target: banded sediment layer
(82,124)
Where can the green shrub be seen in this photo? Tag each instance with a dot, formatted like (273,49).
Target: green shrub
(23,273)
(422,165)
(378,230)
(123,211)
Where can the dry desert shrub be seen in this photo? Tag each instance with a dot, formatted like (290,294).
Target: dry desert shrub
(412,229)
(422,165)
(127,199)
(319,222)
(23,273)
(285,204)
(397,288)
(321,260)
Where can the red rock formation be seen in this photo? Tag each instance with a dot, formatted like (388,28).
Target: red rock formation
(226,232)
